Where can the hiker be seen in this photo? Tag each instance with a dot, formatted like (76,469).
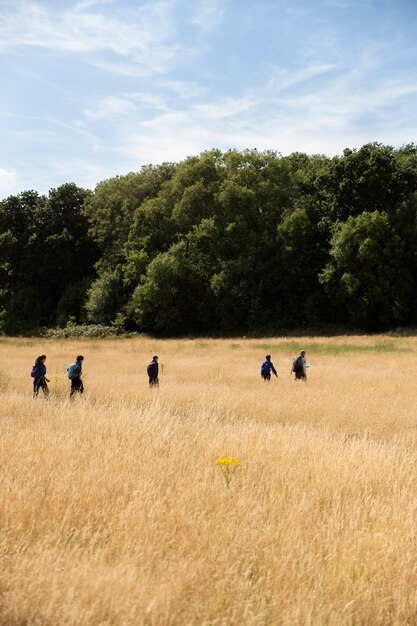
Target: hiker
(266,368)
(38,374)
(74,374)
(299,366)
(153,371)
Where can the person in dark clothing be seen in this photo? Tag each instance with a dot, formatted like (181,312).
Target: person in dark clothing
(153,371)
(74,374)
(266,368)
(39,377)
(299,367)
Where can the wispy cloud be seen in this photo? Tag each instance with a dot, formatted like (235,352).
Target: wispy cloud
(348,106)
(207,13)
(225,107)
(110,106)
(282,79)
(158,86)
(140,35)
(125,104)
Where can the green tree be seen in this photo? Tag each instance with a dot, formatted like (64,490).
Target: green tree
(110,209)
(367,278)
(299,260)
(19,304)
(168,302)
(105,298)
(372,178)
(47,250)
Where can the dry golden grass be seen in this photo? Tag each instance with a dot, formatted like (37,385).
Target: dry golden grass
(112,512)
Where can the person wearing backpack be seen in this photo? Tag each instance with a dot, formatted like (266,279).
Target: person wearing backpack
(153,371)
(74,374)
(38,374)
(266,368)
(299,366)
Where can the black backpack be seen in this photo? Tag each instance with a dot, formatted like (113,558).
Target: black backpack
(297,365)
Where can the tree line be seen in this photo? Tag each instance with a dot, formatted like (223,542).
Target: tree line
(220,243)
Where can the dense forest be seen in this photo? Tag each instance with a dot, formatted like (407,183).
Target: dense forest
(221,243)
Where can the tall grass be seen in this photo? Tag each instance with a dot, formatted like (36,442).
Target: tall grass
(113,512)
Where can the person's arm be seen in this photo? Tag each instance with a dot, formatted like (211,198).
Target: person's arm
(274,370)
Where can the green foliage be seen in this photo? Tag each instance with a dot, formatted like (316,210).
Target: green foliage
(235,242)
(46,250)
(104,298)
(367,275)
(71,303)
(111,208)
(169,299)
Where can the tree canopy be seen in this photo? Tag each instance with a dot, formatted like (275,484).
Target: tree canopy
(219,243)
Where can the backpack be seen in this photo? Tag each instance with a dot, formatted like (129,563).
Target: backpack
(35,373)
(297,364)
(151,369)
(265,367)
(73,371)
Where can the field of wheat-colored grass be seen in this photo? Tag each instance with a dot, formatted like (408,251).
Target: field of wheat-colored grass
(113,512)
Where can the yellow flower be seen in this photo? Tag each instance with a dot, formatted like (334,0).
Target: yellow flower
(228,466)
(227,460)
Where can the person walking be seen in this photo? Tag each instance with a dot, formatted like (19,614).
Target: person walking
(74,374)
(266,368)
(299,367)
(153,372)
(38,374)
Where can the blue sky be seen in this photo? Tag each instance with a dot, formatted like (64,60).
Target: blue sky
(96,88)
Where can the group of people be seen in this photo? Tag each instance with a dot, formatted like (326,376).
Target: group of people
(40,381)
(298,368)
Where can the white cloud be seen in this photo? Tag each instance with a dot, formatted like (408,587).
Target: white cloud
(225,107)
(321,99)
(281,79)
(125,104)
(86,4)
(139,36)
(185,89)
(110,106)
(207,13)
(347,109)
(7,182)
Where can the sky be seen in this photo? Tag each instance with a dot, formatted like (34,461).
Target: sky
(92,89)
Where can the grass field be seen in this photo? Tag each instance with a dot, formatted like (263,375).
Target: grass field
(113,512)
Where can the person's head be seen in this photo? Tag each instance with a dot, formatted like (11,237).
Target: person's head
(80,358)
(154,358)
(303,352)
(40,359)
(268,357)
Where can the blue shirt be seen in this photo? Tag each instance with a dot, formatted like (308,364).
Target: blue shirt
(267,366)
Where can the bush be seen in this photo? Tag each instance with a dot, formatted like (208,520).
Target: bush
(84,330)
